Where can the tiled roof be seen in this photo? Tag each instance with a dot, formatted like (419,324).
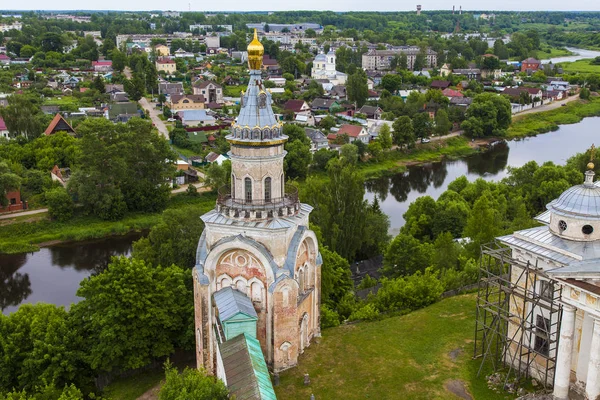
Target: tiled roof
(350,130)
(195,98)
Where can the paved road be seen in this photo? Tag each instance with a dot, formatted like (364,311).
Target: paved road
(548,107)
(23,213)
(151,109)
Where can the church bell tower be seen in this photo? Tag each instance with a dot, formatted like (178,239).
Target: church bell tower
(257,242)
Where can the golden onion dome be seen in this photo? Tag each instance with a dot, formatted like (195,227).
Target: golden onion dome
(255,53)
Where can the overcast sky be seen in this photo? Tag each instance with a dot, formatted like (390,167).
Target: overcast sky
(278,5)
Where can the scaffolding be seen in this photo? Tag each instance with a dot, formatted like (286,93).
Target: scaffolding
(518,318)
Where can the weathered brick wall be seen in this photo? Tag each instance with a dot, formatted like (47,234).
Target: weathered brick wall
(285,321)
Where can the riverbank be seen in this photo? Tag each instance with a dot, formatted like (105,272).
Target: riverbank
(542,122)
(27,236)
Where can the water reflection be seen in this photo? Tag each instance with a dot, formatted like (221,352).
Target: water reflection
(52,275)
(396,192)
(14,286)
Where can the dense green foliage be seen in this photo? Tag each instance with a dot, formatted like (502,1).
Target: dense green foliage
(60,204)
(123,167)
(191,384)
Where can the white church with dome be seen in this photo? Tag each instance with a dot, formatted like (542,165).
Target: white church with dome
(561,336)
(324,68)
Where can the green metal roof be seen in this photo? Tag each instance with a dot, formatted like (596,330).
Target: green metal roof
(246,371)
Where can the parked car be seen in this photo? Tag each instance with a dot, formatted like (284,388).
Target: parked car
(171,120)
(425,140)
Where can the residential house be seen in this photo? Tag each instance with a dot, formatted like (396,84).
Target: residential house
(196,117)
(70,82)
(210,90)
(461,101)
(559,85)
(469,73)
(121,111)
(437,84)
(338,92)
(4,59)
(450,93)
(102,66)
(3,129)
(162,50)
(269,62)
(4,99)
(170,88)
(318,140)
(321,104)
(530,65)
(167,65)
(119,97)
(381,60)
(181,53)
(374,126)
(60,175)
(445,70)
(354,132)
(213,157)
(372,112)
(113,88)
(515,93)
(59,124)
(373,95)
(14,202)
(305,119)
(186,102)
(297,107)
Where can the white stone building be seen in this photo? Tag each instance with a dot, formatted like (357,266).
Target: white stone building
(380,60)
(324,68)
(562,331)
(257,241)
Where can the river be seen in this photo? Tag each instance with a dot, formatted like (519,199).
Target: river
(578,54)
(53,274)
(395,193)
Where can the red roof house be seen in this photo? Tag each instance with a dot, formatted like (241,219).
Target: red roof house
(59,124)
(297,106)
(452,93)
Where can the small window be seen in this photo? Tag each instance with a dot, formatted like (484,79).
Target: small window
(562,226)
(546,290)
(542,329)
(587,229)
(268,189)
(248,189)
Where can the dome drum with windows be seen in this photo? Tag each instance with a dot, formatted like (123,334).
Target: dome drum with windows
(575,214)
(258,189)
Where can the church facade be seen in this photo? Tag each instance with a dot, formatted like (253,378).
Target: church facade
(324,68)
(258,267)
(552,304)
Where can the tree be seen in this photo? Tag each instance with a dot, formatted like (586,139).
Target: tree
(38,345)
(405,256)
(385,137)
(391,82)
(123,167)
(191,384)
(404,134)
(173,240)
(132,313)
(442,123)
(322,157)
(328,122)
(119,60)
(22,116)
(422,125)
(340,210)
(349,154)
(98,84)
(8,183)
(60,204)
(135,87)
(375,150)
(488,115)
(297,159)
(217,176)
(356,88)
(483,224)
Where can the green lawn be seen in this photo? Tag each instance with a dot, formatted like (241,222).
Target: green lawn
(233,91)
(26,236)
(581,66)
(133,387)
(573,112)
(554,52)
(408,357)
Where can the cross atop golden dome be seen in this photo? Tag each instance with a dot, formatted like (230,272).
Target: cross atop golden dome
(255,53)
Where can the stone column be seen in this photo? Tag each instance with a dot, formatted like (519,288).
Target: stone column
(592,386)
(562,378)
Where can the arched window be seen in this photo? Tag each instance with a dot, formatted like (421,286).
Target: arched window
(285,293)
(301,280)
(268,189)
(256,290)
(241,286)
(248,189)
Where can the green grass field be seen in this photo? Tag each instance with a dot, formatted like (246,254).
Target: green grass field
(133,387)
(533,124)
(580,66)
(233,91)
(553,52)
(414,356)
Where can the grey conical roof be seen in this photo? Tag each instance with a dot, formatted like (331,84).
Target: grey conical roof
(253,114)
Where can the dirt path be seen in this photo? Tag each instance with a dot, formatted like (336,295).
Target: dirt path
(151,394)
(23,213)
(151,109)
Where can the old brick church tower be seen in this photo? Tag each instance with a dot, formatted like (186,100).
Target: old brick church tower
(258,269)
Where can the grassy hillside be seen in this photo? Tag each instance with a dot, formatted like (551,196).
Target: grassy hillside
(422,355)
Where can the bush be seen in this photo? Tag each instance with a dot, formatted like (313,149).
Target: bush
(329,318)
(191,190)
(191,384)
(368,312)
(409,293)
(60,204)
